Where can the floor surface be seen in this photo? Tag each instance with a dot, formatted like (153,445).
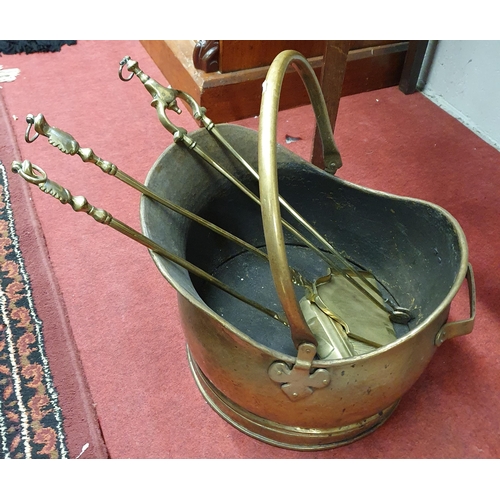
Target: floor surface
(123,314)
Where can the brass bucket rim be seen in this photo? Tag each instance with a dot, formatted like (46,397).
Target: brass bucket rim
(317,363)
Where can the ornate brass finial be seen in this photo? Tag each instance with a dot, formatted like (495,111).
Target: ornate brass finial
(163,97)
(58,138)
(65,142)
(35,175)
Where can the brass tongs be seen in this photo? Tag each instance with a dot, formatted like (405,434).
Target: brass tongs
(165,98)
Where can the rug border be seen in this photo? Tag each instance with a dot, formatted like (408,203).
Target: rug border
(83,433)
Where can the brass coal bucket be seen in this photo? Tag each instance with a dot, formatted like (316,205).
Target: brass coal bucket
(345,326)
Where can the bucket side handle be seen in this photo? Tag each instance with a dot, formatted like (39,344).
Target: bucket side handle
(268,174)
(465,326)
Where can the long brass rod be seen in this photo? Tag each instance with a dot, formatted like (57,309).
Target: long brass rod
(35,175)
(147,242)
(130,181)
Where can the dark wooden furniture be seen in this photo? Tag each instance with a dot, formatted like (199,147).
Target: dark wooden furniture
(226,76)
(413,64)
(332,82)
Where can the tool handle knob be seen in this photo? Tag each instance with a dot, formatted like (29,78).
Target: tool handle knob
(36,175)
(58,138)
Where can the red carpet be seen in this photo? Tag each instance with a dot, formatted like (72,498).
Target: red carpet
(123,314)
(80,428)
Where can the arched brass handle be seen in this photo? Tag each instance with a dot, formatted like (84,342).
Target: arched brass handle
(269,195)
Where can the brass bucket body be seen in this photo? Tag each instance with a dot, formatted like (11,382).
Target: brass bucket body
(415,249)
(268,350)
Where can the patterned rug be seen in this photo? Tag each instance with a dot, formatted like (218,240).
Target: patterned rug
(31,422)
(32,46)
